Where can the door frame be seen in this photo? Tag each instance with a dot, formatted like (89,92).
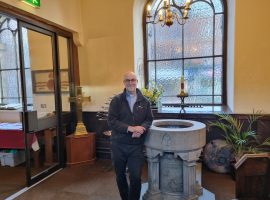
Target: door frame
(41,25)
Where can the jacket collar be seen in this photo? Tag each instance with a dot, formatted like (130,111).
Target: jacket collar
(139,94)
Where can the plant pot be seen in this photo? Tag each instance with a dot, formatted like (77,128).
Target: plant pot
(153,106)
(252,177)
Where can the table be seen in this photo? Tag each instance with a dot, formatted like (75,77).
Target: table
(81,149)
(13,137)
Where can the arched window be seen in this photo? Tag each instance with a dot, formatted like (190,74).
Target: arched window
(10,85)
(197,48)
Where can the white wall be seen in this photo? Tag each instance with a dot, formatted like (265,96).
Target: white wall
(66,13)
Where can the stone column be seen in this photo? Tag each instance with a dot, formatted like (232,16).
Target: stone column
(189,178)
(153,191)
(189,173)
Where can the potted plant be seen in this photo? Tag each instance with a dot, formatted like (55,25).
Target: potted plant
(250,153)
(242,140)
(153,93)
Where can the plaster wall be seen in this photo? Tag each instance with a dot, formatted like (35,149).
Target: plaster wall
(252,65)
(65,13)
(108,51)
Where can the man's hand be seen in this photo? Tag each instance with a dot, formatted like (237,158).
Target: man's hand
(136,135)
(138,129)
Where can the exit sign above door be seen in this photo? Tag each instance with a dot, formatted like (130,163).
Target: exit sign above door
(34,3)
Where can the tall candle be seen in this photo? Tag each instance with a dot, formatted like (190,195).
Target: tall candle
(182,84)
(186,87)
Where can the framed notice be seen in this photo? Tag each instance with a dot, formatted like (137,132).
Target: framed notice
(43,81)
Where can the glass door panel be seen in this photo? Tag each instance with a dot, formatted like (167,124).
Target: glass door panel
(64,71)
(12,171)
(40,92)
(64,65)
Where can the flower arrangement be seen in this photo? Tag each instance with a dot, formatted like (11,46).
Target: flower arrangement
(153,92)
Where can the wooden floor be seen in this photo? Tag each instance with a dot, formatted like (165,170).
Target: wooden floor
(12,179)
(97,182)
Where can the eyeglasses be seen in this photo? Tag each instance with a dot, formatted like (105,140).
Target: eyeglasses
(130,80)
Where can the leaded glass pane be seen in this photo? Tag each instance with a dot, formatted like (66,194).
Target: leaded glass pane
(8,43)
(27,65)
(157,4)
(151,71)
(10,87)
(200,21)
(217,100)
(200,10)
(199,99)
(26,52)
(219,26)
(10,100)
(168,75)
(170,100)
(150,42)
(180,2)
(200,76)
(218,6)
(168,41)
(29,88)
(218,76)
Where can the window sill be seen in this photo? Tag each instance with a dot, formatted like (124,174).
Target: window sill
(194,110)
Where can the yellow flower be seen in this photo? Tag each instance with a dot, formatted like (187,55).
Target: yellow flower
(153,92)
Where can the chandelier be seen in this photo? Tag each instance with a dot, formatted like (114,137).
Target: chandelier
(166,13)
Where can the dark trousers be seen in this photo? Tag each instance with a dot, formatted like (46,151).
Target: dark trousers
(131,157)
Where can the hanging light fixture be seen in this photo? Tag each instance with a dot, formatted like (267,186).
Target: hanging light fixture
(166,13)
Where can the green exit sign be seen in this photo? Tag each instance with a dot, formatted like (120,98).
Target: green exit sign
(34,3)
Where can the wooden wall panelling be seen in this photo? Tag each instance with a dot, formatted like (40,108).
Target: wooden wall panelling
(103,142)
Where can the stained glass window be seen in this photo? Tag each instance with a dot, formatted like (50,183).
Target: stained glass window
(197,47)
(10,80)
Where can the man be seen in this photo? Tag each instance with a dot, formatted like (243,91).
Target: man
(129,118)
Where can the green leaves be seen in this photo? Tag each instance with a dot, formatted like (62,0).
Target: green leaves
(243,140)
(153,92)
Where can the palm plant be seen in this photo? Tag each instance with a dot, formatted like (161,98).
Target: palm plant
(241,140)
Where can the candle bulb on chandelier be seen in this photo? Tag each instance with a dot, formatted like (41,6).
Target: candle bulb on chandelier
(185,14)
(148,10)
(160,14)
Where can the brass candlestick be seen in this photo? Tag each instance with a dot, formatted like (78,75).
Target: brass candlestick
(79,99)
(182,97)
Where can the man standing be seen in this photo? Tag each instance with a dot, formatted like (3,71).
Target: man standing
(129,118)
